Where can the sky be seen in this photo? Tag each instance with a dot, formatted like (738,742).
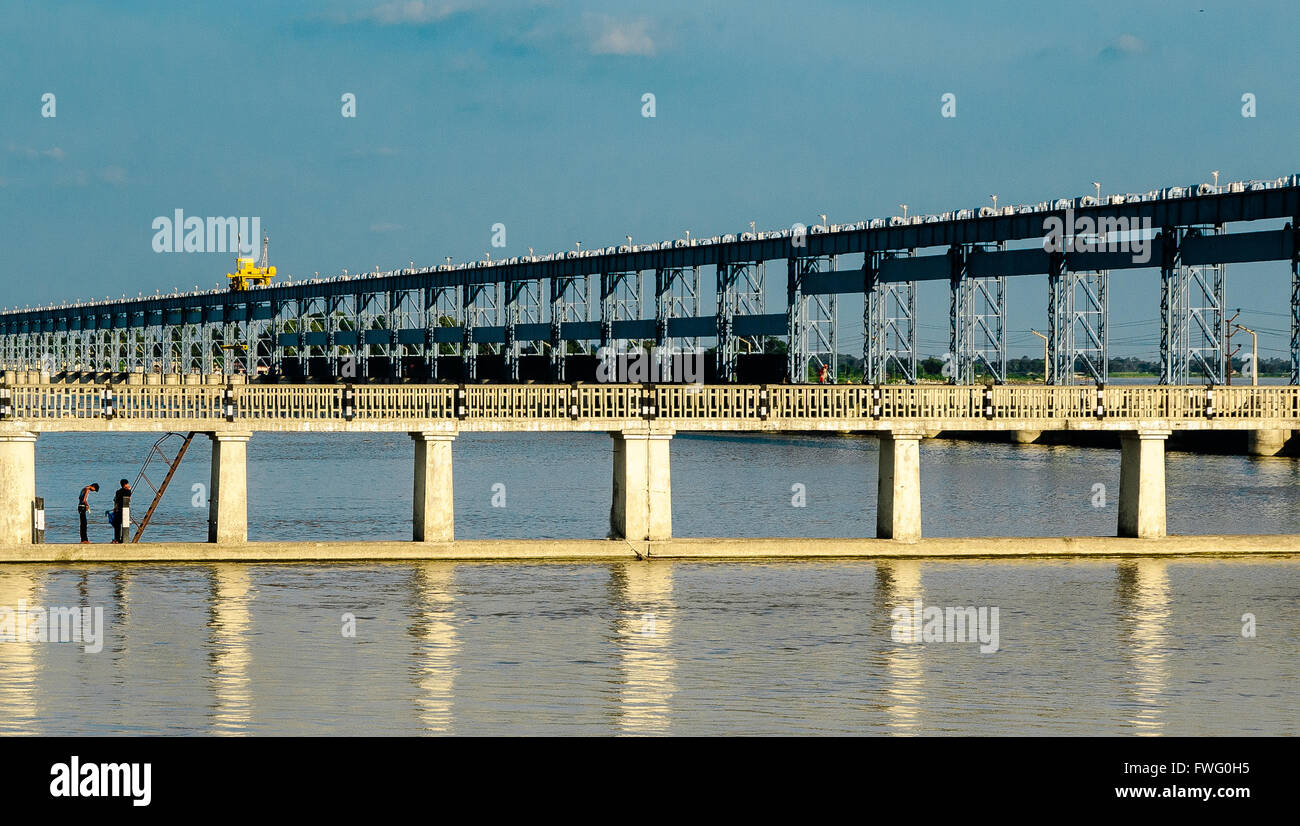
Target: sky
(530,114)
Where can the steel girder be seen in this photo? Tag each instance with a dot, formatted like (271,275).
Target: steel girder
(1193,326)
(812,332)
(740,292)
(1077,313)
(889,324)
(977,333)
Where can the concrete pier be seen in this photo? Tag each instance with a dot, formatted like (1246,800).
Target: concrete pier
(898,494)
(1142,484)
(642,507)
(433,512)
(17,486)
(1266,442)
(228,492)
(1026,437)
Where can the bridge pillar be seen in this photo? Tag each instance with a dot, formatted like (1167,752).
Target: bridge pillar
(898,494)
(643,497)
(17,486)
(432,512)
(1266,442)
(228,491)
(1142,484)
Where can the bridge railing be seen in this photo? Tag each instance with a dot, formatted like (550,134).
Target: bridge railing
(527,401)
(429,401)
(287,402)
(1249,403)
(707,401)
(81,401)
(614,402)
(1019,402)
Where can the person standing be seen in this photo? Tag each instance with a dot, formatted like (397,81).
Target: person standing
(122,512)
(83,509)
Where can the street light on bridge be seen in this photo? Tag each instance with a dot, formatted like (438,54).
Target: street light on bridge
(1254,354)
(1046,368)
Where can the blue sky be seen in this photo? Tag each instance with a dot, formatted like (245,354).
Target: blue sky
(529,114)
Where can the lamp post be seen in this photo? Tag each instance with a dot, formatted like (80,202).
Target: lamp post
(1254,354)
(1047,370)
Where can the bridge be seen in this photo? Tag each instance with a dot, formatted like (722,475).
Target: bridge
(509,346)
(641,419)
(539,317)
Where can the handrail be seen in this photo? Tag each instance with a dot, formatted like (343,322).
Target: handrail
(950,404)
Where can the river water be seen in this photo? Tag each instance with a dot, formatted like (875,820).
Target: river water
(1178,646)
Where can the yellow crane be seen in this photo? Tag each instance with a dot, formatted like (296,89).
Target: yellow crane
(248,275)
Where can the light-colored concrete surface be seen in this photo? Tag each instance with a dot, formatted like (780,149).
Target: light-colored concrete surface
(228,492)
(1142,484)
(594,549)
(1026,437)
(1266,442)
(433,511)
(17,485)
(642,504)
(898,490)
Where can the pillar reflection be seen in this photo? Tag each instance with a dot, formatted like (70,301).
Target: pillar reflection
(230,622)
(644,638)
(1144,594)
(438,647)
(20,588)
(898,585)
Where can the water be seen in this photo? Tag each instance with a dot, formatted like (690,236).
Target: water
(1085,646)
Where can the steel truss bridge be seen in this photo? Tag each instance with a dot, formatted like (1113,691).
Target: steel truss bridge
(528,317)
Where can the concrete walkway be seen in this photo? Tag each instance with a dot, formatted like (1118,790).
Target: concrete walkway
(604,549)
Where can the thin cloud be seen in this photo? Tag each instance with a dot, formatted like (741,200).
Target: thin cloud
(54,152)
(113,175)
(386,227)
(413,12)
(625,37)
(1126,45)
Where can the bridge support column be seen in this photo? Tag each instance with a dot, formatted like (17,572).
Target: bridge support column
(1266,442)
(643,497)
(17,487)
(228,492)
(898,494)
(1142,484)
(433,515)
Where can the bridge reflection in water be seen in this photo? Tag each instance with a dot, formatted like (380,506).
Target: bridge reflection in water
(20,660)
(230,656)
(656,630)
(898,584)
(437,646)
(1143,591)
(644,634)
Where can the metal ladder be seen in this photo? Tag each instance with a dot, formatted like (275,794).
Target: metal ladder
(156,452)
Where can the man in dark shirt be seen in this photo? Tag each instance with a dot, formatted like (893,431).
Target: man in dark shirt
(122,512)
(83,509)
